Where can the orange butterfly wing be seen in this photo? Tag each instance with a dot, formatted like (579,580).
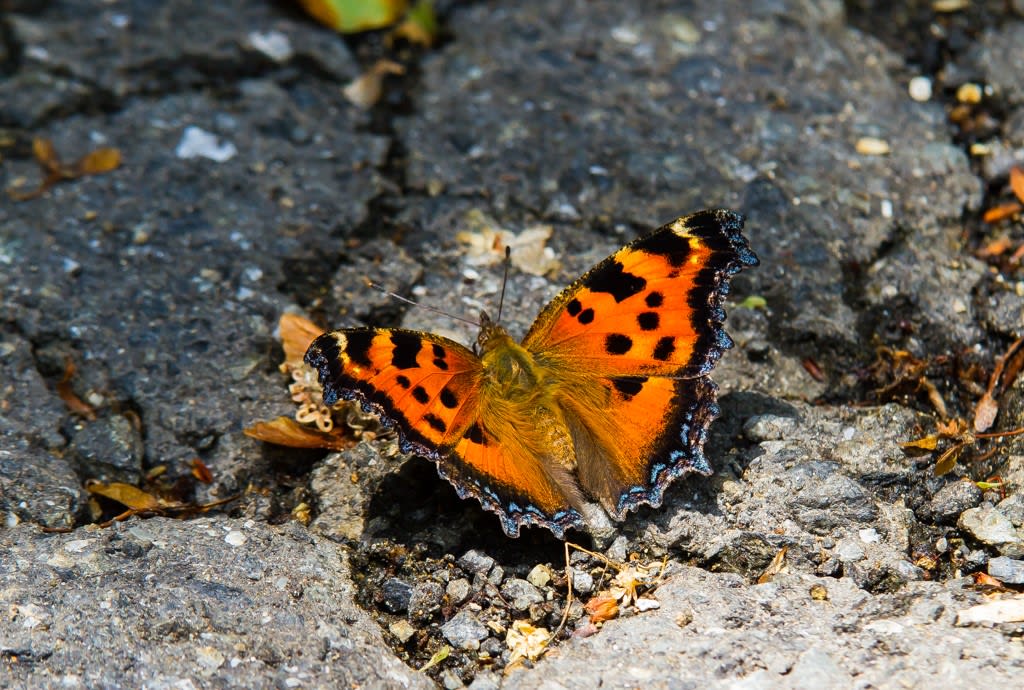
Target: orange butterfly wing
(428,389)
(645,328)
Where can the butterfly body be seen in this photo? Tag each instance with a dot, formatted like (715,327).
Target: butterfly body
(604,402)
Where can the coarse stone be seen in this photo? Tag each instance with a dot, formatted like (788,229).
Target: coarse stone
(952,499)
(520,593)
(458,590)
(476,562)
(1009,571)
(988,525)
(425,600)
(464,630)
(396,595)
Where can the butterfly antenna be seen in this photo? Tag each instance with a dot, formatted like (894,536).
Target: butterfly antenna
(395,295)
(504,282)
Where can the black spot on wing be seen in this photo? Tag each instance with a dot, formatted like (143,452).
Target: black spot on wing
(407,347)
(648,321)
(666,244)
(439,357)
(617,344)
(403,381)
(449,399)
(586,316)
(475,434)
(435,422)
(616,281)
(664,349)
(574,307)
(357,346)
(654,299)
(628,386)
(420,394)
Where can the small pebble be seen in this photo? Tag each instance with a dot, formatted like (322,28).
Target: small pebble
(969,93)
(396,595)
(458,591)
(539,576)
(872,146)
(582,581)
(476,562)
(953,499)
(920,89)
(425,600)
(1009,571)
(643,604)
(520,593)
(402,629)
(988,525)
(464,630)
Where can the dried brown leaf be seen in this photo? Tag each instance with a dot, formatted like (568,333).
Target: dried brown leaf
(996,247)
(985,412)
(1017,182)
(775,567)
(297,333)
(201,472)
(602,607)
(98,161)
(68,395)
(947,461)
(1002,212)
(285,431)
(925,443)
(125,494)
(365,90)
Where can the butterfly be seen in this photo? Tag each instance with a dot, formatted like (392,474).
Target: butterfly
(604,402)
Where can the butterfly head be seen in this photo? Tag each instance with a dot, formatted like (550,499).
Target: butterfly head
(490,333)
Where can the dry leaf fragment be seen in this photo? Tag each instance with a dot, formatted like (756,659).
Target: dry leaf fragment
(127,495)
(925,443)
(601,608)
(285,431)
(420,25)
(947,461)
(1002,212)
(486,243)
(996,247)
(365,90)
(353,16)
(1007,368)
(201,472)
(99,161)
(68,395)
(777,565)
(1017,182)
(526,641)
(297,333)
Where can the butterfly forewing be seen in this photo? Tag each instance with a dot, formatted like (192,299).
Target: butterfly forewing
(425,385)
(651,309)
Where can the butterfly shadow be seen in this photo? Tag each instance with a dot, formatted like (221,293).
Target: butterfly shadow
(415,507)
